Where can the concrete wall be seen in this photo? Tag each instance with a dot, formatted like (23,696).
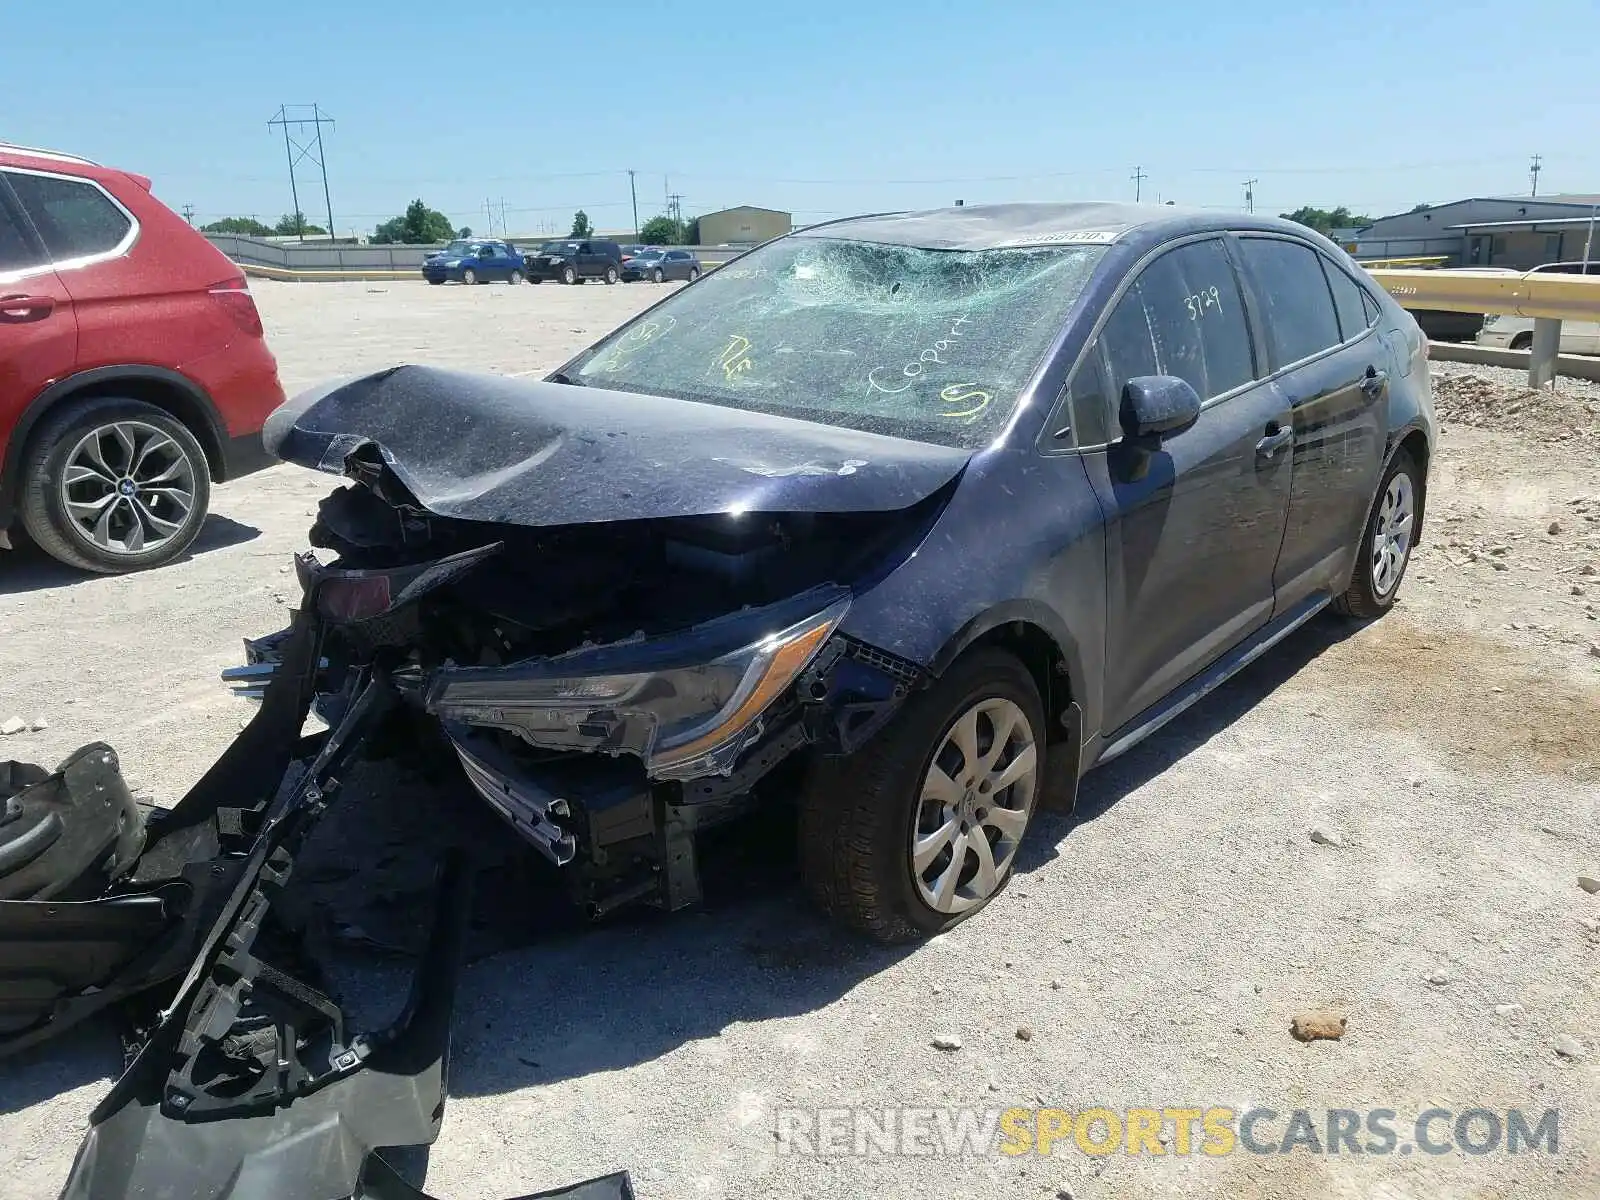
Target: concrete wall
(272,257)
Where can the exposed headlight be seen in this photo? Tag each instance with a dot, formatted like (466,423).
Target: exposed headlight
(683,720)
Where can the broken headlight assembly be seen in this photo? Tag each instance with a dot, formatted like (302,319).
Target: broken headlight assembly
(687,706)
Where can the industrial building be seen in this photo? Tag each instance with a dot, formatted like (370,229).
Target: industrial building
(1488,231)
(743,226)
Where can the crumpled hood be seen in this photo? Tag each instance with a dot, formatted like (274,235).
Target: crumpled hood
(488,448)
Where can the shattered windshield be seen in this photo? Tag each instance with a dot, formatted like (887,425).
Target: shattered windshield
(928,344)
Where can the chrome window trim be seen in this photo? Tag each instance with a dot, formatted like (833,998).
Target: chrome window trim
(82,260)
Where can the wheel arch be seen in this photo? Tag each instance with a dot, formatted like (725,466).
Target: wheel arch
(166,389)
(1414,441)
(1038,637)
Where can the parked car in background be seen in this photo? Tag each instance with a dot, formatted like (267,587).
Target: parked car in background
(133,368)
(658,264)
(1507,332)
(475,260)
(912,514)
(573,260)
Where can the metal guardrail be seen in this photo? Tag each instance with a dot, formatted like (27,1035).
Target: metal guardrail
(1547,297)
(1423,260)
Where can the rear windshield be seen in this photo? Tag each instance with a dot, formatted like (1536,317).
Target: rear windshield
(928,344)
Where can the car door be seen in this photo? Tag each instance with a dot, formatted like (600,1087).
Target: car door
(677,264)
(1331,367)
(584,260)
(38,325)
(1193,529)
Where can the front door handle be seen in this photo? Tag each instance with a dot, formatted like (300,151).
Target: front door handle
(19,310)
(1278,436)
(1372,382)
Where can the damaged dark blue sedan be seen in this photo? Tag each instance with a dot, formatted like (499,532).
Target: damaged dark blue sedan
(900,515)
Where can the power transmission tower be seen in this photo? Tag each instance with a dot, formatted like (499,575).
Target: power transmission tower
(1138,178)
(634,192)
(1533,174)
(1249,195)
(300,145)
(188,214)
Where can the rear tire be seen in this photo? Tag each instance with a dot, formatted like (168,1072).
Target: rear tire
(694,273)
(153,496)
(514,278)
(1522,341)
(611,275)
(469,277)
(436,282)
(568,275)
(862,817)
(1387,540)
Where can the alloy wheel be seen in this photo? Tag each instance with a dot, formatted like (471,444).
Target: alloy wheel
(128,488)
(1391,534)
(469,277)
(974,805)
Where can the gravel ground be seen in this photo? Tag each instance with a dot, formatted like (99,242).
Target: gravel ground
(1156,946)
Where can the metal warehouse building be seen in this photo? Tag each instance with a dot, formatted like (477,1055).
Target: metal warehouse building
(1488,231)
(743,226)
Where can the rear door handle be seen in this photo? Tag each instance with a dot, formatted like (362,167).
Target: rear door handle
(19,310)
(1372,382)
(1277,438)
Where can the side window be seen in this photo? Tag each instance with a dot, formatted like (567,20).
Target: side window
(16,249)
(74,218)
(1197,319)
(1347,297)
(1370,307)
(1300,316)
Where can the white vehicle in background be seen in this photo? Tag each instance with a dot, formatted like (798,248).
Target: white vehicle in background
(1506,332)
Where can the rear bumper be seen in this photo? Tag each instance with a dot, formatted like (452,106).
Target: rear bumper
(245,455)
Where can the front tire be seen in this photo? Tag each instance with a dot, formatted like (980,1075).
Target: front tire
(568,275)
(1386,542)
(469,277)
(919,830)
(114,485)
(656,276)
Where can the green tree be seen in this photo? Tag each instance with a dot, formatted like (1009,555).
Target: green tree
(248,226)
(582,227)
(420,225)
(464,231)
(1423,207)
(1324,220)
(691,232)
(661,231)
(291,224)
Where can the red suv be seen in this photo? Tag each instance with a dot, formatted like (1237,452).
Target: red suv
(133,370)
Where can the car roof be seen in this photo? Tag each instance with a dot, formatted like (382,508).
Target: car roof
(56,158)
(994,226)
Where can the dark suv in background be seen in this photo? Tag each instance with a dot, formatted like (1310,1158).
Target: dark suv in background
(573,260)
(133,368)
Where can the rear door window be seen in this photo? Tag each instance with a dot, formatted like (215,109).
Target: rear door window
(75,218)
(1300,316)
(1347,301)
(17,250)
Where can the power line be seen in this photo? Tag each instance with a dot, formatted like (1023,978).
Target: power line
(297,151)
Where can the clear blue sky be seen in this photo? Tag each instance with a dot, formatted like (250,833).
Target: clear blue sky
(820,108)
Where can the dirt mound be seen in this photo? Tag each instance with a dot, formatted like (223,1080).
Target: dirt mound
(1569,413)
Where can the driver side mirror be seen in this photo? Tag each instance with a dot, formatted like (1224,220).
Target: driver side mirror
(1153,405)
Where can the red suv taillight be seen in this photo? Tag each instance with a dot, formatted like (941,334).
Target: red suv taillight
(234,295)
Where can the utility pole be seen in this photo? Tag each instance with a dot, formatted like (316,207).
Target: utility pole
(301,145)
(1138,178)
(1533,174)
(634,192)
(1249,195)
(188,214)
(675,206)
(504,229)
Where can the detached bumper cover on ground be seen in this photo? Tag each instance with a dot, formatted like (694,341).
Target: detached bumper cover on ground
(248,1084)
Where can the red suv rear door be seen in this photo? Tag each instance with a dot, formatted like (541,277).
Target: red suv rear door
(38,328)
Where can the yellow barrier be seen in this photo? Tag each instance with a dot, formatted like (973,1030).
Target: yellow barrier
(1546,294)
